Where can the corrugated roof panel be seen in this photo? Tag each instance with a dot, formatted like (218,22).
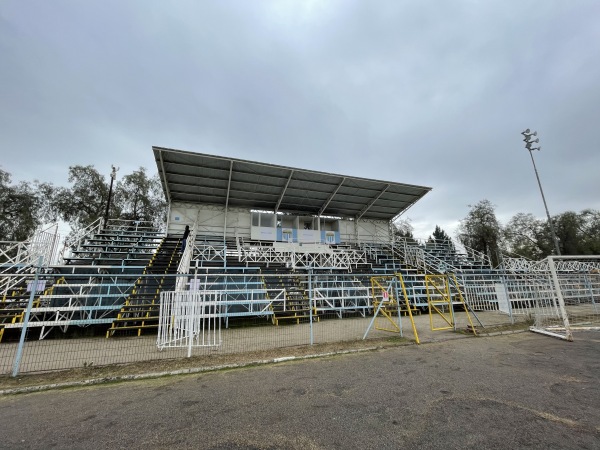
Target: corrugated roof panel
(201,178)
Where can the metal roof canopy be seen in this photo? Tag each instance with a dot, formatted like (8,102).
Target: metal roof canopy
(189,177)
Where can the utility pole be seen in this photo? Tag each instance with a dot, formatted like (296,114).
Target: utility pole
(113,175)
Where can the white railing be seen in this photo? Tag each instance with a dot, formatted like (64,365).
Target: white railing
(75,241)
(17,258)
(189,319)
(193,318)
(13,253)
(415,256)
(472,254)
(511,264)
(373,252)
(45,244)
(562,265)
(184,262)
(569,265)
(209,252)
(341,295)
(303,257)
(130,225)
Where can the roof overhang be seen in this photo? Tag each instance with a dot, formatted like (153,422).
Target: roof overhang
(189,177)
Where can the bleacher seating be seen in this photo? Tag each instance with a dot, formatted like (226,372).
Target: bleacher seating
(115,276)
(90,286)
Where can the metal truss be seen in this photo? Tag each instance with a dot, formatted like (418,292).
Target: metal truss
(517,264)
(296,258)
(209,252)
(81,304)
(90,302)
(341,295)
(581,264)
(569,265)
(17,259)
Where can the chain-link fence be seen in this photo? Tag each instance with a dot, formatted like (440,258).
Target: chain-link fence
(249,310)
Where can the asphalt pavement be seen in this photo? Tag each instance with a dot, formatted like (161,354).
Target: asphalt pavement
(514,391)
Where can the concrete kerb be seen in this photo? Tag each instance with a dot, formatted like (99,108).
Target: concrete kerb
(195,370)
(501,333)
(187,371)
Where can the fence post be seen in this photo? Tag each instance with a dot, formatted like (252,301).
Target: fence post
(561,300)
(507,293)
(19,355)
(191,311)
(310,300)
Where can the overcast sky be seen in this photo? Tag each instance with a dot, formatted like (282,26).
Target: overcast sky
(433,93)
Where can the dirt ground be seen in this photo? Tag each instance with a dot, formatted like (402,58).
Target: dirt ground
(215,361)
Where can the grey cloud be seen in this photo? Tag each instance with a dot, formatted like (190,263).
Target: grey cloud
(433,94)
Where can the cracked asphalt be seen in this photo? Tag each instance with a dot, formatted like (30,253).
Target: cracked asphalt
(514,391)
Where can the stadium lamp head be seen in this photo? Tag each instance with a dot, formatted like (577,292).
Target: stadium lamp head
(529,147)
(527,133)
(529,142)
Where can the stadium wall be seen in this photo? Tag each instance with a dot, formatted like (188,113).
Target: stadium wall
(217,220)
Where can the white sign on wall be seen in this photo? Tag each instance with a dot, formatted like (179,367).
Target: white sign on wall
(264,233)
(309,236)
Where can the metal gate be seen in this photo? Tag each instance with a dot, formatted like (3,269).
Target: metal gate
(189,319)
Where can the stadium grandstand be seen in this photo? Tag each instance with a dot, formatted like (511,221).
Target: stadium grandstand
(268,246)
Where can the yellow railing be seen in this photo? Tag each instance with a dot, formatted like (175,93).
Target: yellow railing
(440,301)
(384,292)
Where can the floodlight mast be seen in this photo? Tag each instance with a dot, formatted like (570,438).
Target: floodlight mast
(528,145)
(113,175)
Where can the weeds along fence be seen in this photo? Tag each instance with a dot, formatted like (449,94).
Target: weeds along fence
(246,311)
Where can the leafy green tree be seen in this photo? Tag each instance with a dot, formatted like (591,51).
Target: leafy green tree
(439,236)
(591,231)
(403,229)
(524,235)
(577,234)
(568,228)
(135,197)
(85,201)
(23,207)
(481,231)
(140,197)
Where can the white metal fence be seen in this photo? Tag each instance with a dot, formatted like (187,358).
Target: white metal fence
(571,300)
(250,311)
(190,319)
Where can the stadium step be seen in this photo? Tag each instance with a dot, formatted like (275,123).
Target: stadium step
(141,309)
(295,307)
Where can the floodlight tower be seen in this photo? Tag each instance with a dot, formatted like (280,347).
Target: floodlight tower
(529,141)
